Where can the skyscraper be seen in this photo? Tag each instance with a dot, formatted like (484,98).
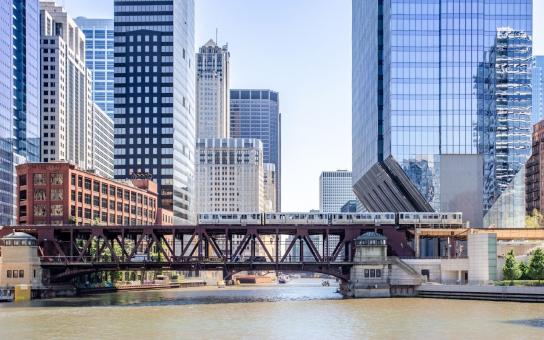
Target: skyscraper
(538,89)
(416,84)
(229,175)
(334,190)
(212,91)
(19,95)
(155,98)
(102,143)
(506,122)
(255,114)
(99,59)
(67,109)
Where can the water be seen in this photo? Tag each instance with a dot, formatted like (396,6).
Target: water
(301,309)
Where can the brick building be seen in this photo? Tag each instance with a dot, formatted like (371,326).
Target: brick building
(61,193)
(534,183)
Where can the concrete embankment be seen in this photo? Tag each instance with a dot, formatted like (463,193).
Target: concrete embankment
(475,292)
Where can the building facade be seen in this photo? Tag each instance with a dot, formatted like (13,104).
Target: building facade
(255,114)
(334,190)
(102,143)
(61,193)
(416,86)
(538,89)
(67,110)
(99,59)
(534,181)
(154,85)
(269,182)
(229,173)
(212,91)
(19,96)
(506,130)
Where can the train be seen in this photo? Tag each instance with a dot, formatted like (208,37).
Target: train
(318,218)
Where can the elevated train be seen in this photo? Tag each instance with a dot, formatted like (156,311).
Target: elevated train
(385,218)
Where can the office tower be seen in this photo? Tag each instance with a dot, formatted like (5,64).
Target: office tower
(212,91)
(415,100)
(67,110)
(99,59)
(155,98)
(534,177)
(19,96)
(506,121)
(102,143)
(538,89)
(269,180)
(255,114)
(229,175)
(334,190)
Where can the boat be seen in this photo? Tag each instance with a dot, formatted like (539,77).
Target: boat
(325,283)
(282,279)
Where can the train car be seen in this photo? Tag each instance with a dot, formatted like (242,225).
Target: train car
(430,218)
(287,218)
(318,219)
(230,218)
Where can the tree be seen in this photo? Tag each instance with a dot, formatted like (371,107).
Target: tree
(511,268)
(536,265)
(524,269)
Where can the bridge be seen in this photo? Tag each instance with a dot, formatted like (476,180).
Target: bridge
(67,251)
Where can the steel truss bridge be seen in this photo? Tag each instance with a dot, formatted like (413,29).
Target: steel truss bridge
(67,251)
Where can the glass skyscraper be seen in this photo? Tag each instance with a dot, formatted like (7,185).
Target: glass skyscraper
(255,114)
(155,98)
(538,89)
(99,59)
(416,87)
(19,95)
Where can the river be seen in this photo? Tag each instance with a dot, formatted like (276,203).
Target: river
(301,309)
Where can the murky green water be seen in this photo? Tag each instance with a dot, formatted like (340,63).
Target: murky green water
(299,310)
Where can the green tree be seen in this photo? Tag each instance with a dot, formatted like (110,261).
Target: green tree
(524,269)
(536,265)
(511,268)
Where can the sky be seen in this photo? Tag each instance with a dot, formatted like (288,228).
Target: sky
(302,49)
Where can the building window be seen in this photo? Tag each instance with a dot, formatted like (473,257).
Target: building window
(39,179)
(21,273)
(87,184)
(56,210)
(56,179)
(22,180)
(56,194)
(15,274)
(96,186)
(9,274)
(39,195)
(378,273)
(39,210)
(367,273)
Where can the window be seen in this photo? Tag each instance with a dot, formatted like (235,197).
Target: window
(56,179)
(56,210)
(15,274)
(367,273)
(22,180)
(39,195)
(39,179)
(56,194)
(9,274)
(21,273)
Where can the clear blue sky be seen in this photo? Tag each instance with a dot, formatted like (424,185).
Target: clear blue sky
(302,49)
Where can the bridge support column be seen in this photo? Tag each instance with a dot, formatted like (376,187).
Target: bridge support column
(416,242)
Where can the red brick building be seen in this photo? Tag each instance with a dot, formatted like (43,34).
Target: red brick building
(60,193)
(534,183)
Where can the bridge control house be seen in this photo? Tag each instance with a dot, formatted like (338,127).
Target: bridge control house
(60,193)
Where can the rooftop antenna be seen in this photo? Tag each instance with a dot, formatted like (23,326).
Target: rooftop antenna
(216,41)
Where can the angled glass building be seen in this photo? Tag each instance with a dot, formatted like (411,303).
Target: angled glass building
(155,98)
(255,114)
(416,85)
(19,95)
(99,59)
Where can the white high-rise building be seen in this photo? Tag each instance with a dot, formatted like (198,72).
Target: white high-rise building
(229,175)
(334,190)
(102,143)
(212,91)
(67,108)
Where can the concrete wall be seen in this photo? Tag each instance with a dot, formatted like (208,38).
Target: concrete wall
(482,258)
(461,186)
